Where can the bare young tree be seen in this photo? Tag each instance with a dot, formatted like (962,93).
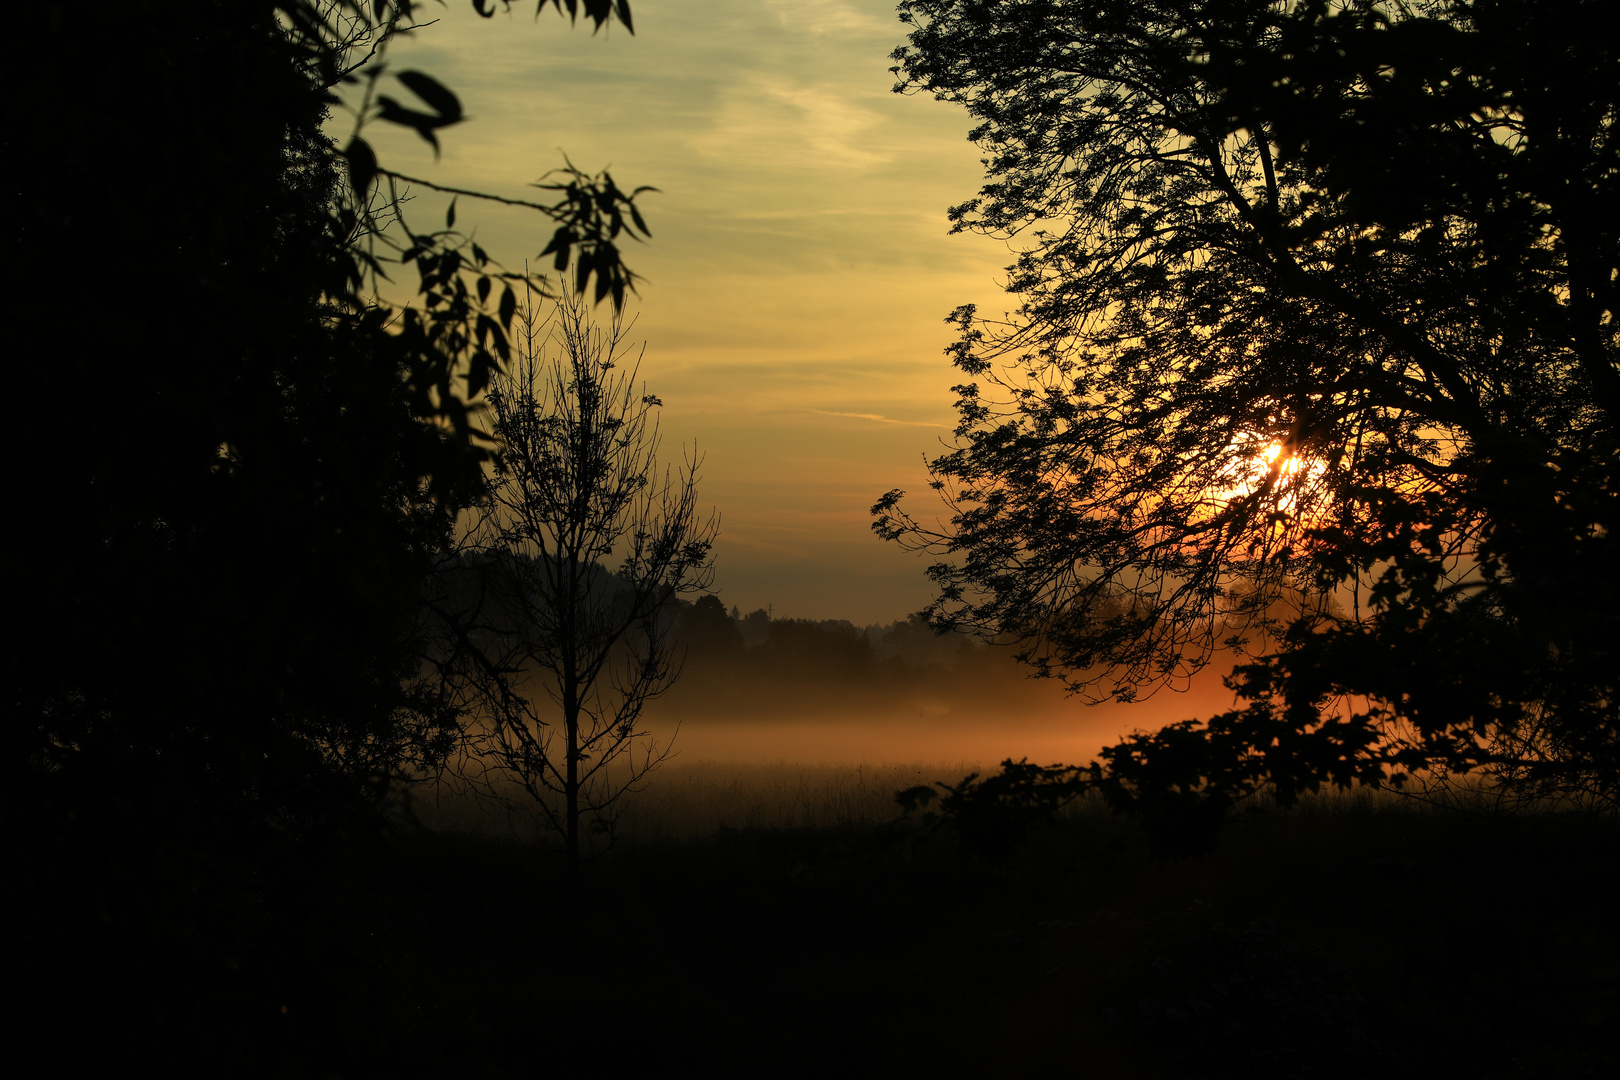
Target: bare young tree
(559,653)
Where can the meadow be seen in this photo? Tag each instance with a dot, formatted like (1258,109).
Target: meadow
(766,907)
(692,800)
(784,918)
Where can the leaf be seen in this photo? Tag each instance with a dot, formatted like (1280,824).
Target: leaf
(478,372)
(394,113)
(508,306)
(450,215)
(485,329)
(435,93)
(362,165)
(562,242)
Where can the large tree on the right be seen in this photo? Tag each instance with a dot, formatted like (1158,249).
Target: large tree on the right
(1314,356)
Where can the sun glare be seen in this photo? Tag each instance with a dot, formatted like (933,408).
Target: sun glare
(1290,484)
(1282,464)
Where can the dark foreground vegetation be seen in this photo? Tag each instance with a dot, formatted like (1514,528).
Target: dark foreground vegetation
(1345,938)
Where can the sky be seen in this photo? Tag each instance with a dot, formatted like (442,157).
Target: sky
(800,266)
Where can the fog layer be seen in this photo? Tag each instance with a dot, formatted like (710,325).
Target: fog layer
(756,689)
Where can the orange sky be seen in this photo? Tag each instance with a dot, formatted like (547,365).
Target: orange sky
(799,270)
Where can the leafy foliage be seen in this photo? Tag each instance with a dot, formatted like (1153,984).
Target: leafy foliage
(245,456)
(457,327)
(1315,358)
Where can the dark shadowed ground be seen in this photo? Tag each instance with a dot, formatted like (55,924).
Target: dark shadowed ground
(1347,939)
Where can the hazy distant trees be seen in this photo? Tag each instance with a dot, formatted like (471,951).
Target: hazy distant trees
(558,653)
(754,626)
(707,630)
(1317,350)
(782,669)
(916,642)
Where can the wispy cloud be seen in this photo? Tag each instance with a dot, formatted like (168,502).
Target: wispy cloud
(834,17)
(788,123)
(801,256)
(875,416)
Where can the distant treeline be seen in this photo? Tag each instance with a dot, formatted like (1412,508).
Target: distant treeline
(754,664)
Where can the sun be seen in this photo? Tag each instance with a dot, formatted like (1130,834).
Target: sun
(1281,488)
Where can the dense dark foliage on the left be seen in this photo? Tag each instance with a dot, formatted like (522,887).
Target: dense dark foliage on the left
(216,533)
(228,470)
(216,481)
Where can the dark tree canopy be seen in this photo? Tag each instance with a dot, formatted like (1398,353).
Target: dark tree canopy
(225,507)
(1315,353)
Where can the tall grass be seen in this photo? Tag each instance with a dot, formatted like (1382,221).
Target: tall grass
(1476,794)
(692,799)
(699,798)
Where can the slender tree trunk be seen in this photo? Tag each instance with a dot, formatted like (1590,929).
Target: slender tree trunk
(571,781)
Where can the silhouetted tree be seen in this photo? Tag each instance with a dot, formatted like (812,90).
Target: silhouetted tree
(253,456)
(1315,352)
(560,653)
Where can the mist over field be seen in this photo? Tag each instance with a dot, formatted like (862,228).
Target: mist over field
(810,724)
(756,689)
(781,722)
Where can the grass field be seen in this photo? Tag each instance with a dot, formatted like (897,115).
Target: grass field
(686,801)
(773,919)
(691,800)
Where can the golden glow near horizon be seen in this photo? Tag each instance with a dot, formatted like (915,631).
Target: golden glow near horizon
(799,270)
(1292,479)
